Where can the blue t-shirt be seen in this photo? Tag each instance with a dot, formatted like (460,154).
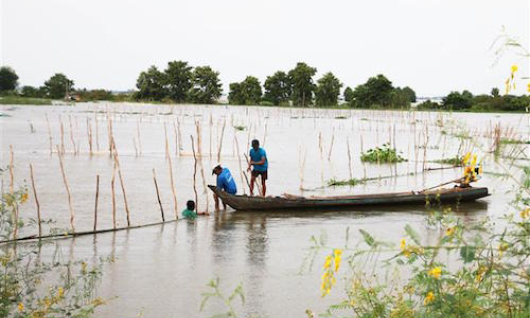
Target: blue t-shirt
(256,155)
(226,182)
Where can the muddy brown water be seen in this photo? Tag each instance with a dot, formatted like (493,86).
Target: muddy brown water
(161,271)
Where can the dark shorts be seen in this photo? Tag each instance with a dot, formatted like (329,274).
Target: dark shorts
(263,174)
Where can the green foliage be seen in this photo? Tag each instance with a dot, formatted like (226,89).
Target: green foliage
(458,101)
(151,85)
(410,93)
(94,95)
(383,154)
(375,92)
(348,95)
(248,92)
(58,86)
(8,79)
(178,75)
(34,92)
(30,287)
(352,182)
(206,86)
(278,88)
(216,293)
(465,101)
(399,98)
(14,100)
(328,90)
(455,161)
(495,92)
(301,78)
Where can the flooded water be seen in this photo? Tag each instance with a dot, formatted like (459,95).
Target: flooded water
(161,271)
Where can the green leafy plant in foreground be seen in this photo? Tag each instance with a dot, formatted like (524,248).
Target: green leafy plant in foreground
(490,276)
(216,293)
(383,154)
(33,288)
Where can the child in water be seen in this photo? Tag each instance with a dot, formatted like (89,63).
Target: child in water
(189,212)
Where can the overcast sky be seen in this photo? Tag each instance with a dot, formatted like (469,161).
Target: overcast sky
(433,46)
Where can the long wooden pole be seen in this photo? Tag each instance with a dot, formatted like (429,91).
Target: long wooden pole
(158,196)
(194,172)
(49,133)
(120,176)
(36,198)
(70,206)
(96,204)
(113,195)
(172,183)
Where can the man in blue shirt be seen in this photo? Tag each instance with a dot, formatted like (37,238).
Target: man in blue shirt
(225,182)
(258,160)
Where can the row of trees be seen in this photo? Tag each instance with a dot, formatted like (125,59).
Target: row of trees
(55,87)
(466,101)
(379,92)
(180,83)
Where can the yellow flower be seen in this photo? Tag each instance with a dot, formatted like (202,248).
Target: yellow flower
(429,298)
(525,213)
(450,231)
(466,158)
(503,247)
(327,263)
(514,68)
(528,88)
(20,307)
(435,272)
(403,244)
(474,161)
(60,292)
(24,197)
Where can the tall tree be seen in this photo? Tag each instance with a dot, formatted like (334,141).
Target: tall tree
(301,78)
(457,101)
(495,92)
(8,79)
(30,91)
(58,86)
(151,85)
(247,92)
(348,94)
(277,88)
(375,92)
(328,90)
(178,75)
(206,86)
(410,93)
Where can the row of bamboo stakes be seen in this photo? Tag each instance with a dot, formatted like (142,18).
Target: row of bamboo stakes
(197,153)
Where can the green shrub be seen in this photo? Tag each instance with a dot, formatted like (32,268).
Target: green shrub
(383,154)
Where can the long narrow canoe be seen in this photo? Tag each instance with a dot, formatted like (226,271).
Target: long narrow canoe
(449,195)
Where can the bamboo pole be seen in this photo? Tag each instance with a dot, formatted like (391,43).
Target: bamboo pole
(194,173)
(349,158)
(172,183)
(221,142)
(331,145)
(62,135)
(139,137)
(113,195)
(72,134)
(158,197)
(89,133)
(96,204)
(97,132)
(70,206)
(166,141)
(199,148)
(49,133)
(36,198)
(12,190)
(260,190)
(120,176)
(240,167)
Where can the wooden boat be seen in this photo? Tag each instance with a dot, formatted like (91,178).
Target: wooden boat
(447,195)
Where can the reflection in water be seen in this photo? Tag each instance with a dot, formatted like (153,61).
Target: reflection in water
(257,250)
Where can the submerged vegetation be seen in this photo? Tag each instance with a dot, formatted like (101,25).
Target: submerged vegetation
(455,161)
(383,154)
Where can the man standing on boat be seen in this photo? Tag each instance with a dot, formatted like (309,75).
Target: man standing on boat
(225,182)
(258,159)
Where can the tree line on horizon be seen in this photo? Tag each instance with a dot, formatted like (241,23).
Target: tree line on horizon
(183,83)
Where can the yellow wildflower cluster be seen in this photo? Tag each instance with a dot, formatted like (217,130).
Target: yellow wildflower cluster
(528,88)
(502,248)
(470,173)
(331,266)
(480,273)
(525,213)
(435,272)
(408,250)
(428,298)
(20,307)
(24,197)
(450,231)
(510,82)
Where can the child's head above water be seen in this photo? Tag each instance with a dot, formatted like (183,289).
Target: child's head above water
(190,205)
